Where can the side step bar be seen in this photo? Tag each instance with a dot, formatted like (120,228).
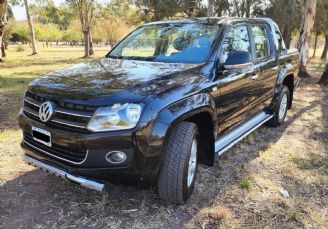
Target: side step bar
(63,174)
(228,140)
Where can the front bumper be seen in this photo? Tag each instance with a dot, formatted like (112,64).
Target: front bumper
(85,182)
(96,145)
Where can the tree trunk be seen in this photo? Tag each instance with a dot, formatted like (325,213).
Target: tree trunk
(86,43)
(210,8)
(324,78)
(32,32)
(91,52)
(3,21)
(3,48)
(325,50)
(248,8)
(305,35)
(287,28)
(315,44)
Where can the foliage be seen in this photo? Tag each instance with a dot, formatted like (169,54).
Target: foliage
(158,10)
(50,14)
(22,30)
(321,20)
(245,184)
(10,26)
(71,36)
(47,32)
(112,29)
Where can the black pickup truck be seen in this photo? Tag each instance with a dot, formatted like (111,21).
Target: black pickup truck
(169,96)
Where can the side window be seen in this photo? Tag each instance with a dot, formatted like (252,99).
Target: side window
(236,39)
(279,43)
(261,41)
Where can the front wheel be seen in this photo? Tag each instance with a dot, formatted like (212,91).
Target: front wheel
(281,108)
(178,172)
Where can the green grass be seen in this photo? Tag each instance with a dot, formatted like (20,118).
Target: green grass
(245,184)
(324,164)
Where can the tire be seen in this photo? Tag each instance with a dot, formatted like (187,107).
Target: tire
(281,108)
(174,185)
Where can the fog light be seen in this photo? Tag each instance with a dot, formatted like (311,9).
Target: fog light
(116,157)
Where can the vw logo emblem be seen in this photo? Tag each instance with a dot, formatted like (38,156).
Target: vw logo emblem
(46,111)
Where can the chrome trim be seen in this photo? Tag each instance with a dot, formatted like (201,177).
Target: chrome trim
(63,174)
(58,110)
(28,100)
(229,140)
(49,144)
(115,162)
(31,112)
(68,124)
(54,120)
(46,111)
(63,159)
(237,66)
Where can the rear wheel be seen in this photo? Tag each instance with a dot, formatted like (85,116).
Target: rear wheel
(178,171)
(281,108)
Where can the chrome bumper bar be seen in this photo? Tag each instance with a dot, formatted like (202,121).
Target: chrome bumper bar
(63,174)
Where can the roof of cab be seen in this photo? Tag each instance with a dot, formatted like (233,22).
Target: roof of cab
(213,20)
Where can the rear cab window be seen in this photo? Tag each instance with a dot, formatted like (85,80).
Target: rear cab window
(261,41)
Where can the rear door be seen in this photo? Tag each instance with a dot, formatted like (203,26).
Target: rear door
(236,93)
(265,60)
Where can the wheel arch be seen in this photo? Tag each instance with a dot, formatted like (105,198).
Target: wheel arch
(286,77)
(289,82)
(198,109)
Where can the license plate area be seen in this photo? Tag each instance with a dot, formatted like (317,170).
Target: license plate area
(41,136)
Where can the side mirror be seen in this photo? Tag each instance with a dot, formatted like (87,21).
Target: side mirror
(238,60)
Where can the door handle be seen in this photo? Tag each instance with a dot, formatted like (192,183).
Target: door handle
(254,77)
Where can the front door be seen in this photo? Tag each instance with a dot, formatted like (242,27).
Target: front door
(236,87)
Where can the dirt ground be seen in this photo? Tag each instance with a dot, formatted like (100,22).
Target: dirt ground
(242,190)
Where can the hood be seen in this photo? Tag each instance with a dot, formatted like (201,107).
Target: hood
(108,81)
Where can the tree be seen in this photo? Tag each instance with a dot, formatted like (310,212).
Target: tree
(305,34)
(31,26)
(22,30)
(324,77)
(86,13)
(325,49)
(321,24)
(3,21)
(210,8)
(6,36)
(160,9)
(48,33)
(47,12)
(221,7)
(287,14)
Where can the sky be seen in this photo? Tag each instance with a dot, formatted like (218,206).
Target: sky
(19,11)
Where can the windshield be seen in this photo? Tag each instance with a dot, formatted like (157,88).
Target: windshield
(175,43)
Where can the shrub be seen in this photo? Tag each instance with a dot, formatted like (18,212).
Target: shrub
(245,184)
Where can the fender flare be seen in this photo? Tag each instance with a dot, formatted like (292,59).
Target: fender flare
(175,112)
(287,70)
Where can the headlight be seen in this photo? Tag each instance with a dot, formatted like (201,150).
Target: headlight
(117,117)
